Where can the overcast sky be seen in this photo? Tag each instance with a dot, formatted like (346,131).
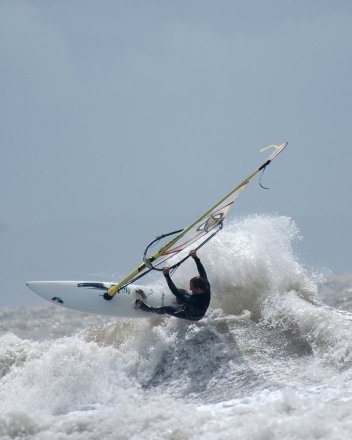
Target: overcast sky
(121,120)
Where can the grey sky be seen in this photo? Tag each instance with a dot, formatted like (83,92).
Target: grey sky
(120,116)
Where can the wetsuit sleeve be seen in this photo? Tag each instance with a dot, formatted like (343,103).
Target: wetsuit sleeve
(200,268)
(171,285)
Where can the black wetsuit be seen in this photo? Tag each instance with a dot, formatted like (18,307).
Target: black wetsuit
(192,307)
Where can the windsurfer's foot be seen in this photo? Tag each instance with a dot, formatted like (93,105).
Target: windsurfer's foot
(141,295)
(138,304)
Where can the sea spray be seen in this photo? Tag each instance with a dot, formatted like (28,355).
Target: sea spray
(325,329)
(248,259)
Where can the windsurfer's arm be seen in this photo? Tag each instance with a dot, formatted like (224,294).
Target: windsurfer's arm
(169,281)
(200,266)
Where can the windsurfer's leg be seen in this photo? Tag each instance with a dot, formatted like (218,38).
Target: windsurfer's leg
(166,310)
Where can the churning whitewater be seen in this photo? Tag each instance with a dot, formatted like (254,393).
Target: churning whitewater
(271,359)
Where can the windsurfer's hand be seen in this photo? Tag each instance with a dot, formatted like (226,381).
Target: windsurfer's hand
(165,270)
(193,253)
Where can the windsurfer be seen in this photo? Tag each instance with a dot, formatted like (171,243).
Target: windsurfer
(191,306)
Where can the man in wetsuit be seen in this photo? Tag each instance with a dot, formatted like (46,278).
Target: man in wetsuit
(191,306)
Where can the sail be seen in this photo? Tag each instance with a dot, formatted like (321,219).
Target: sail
(201,230)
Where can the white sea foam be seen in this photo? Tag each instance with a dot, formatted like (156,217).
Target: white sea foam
(270,361)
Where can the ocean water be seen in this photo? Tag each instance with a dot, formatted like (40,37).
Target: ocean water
(271,360)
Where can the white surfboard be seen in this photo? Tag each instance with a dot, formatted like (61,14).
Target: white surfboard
(87,296)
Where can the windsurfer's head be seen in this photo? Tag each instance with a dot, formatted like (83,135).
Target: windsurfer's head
(197,285)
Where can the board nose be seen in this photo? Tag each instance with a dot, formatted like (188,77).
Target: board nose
(31,285)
